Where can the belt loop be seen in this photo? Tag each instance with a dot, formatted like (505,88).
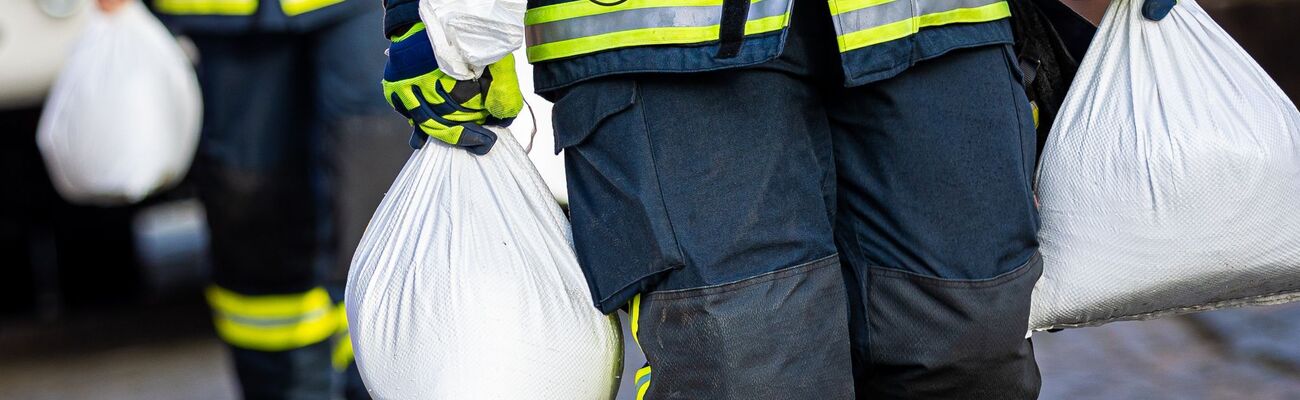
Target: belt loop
(731,31)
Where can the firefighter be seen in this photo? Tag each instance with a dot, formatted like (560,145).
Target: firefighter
(291,164)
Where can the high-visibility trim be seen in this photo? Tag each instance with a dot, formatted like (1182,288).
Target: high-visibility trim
(862,28)
(581,27)
(342,356)
(642,382)
(586,8)
(418,27)
(296,7)
(636,318)
(206,7)
(842,6)
(273,322)
(648,36)
(641,18)
(1033,108)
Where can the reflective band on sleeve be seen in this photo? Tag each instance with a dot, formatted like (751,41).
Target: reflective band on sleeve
(206,7)
(273,322)
(296,7)
(575,28)
(862,23)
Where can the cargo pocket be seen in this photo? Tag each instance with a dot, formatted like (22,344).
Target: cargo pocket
(933,338)
(621,229)
(781,335)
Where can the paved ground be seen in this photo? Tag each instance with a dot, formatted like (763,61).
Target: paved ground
(168,352)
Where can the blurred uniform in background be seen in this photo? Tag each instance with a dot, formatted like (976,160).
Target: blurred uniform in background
(289,169)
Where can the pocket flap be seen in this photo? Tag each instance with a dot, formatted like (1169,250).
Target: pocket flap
(581,110)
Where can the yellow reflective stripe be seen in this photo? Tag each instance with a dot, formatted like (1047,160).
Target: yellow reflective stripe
(296,7)
(1034,109)
(276,337)
(343,355)
(273,322)
(644,37)
(842,6)
(642,387)
(583,8)
(908,27)
(269,306)
(418,27)
(206,7)
(636,318)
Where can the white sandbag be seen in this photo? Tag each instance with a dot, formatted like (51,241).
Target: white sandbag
(1171,180)
(465,286)
(123,118)
(469,35)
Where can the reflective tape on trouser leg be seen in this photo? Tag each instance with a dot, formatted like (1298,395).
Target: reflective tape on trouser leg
(642,378)
(275,322)
(342,354)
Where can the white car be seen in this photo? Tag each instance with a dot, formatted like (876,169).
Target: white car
(35,36)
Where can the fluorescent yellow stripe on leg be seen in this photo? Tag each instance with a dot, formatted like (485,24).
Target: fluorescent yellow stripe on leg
(642,387)
(268,306)
(276,337)
(636,318)
(272,322)
(206,7)
(296,7)
(343,354)
(1033,107)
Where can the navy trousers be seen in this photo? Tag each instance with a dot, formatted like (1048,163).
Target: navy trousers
(298,148)
(791,238)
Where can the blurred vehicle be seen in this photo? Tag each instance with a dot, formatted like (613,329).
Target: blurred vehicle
(57,256)
(34,38)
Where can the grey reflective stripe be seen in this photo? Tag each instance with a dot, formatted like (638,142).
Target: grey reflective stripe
(642,18)
(898,10)
(272,322)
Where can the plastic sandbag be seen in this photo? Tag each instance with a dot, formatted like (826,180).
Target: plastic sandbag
(123,118)
(469,35)
(1171,181)
(465,286)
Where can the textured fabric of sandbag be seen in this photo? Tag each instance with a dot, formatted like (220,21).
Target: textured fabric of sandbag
(465,286)
(1171,180)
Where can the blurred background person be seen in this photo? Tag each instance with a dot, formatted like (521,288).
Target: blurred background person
(289,170)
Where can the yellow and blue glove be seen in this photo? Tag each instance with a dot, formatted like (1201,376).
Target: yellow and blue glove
(440,106)
(1156,10)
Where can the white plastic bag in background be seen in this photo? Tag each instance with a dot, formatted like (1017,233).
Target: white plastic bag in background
(1171,179)
(465,286)
(469,35)
(123,118)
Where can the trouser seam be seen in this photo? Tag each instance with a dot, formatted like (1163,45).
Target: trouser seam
(960,283)
(788,272)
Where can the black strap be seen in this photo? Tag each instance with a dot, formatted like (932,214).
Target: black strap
(732,30)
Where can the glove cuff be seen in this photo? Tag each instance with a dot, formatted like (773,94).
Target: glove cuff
(410,57)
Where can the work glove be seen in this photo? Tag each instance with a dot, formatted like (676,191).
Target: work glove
(1156,10)
(450,110)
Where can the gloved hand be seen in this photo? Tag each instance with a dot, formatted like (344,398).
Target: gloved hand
(1156,10)
(442,107)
